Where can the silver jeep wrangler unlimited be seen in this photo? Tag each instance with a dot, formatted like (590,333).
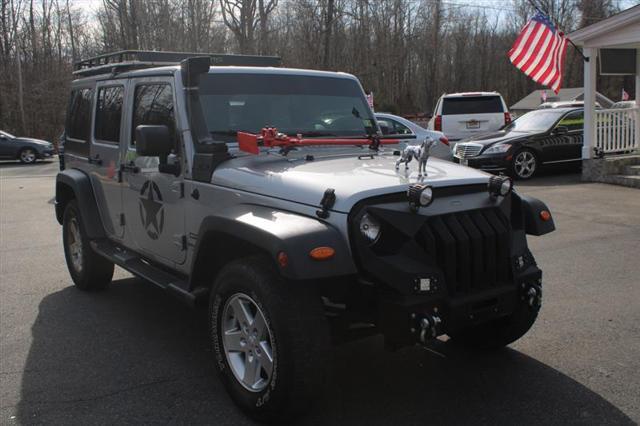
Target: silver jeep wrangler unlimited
(295,237)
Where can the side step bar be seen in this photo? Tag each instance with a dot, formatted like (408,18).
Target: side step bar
(135,264)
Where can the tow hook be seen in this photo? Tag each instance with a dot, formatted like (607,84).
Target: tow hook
(430,326)
(533,296)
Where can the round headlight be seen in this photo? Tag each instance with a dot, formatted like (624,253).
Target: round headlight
(426,196)
(505,188)
(500,186)
(369,228)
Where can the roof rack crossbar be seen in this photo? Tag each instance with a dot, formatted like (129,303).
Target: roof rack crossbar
(135,59)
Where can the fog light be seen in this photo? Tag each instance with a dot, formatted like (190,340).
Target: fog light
(419,195)
(500,186)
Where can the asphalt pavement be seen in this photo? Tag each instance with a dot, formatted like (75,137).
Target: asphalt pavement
(133,354)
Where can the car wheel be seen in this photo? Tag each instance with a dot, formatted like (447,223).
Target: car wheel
(28,156)
(89,270)
(524,164)
(270,340)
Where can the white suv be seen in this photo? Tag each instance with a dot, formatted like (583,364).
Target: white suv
(463,115)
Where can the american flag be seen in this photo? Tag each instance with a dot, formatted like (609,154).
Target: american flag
(539,51)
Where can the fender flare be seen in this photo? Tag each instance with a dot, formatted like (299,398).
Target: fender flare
(533,223)
(272,232)
(73,183)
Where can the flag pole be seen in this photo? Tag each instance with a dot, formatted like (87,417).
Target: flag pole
(535,6)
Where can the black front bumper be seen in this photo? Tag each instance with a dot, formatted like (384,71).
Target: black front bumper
(490,162)
(462,260)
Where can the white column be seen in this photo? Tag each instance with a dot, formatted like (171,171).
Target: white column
(589,102)
(637,117)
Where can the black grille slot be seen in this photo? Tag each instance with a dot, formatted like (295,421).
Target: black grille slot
(471,248)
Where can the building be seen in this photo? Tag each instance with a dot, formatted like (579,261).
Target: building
(534,99)
(611,146)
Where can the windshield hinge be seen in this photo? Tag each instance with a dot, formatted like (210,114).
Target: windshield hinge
(328,200)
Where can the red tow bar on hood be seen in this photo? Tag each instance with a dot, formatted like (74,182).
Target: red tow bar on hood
(270,137)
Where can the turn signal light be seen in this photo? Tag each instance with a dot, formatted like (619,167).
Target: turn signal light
(322,253)
(283,259)
(545,215)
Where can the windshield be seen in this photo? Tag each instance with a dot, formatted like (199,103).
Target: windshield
(309,105)
(535,121)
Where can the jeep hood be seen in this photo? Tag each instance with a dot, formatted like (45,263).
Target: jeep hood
(352,178)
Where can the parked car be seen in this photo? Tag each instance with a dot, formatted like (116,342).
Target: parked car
(463,115)
(537,138)
(624,105)
(565,104)
(27,150)
(394,125)
(175,174)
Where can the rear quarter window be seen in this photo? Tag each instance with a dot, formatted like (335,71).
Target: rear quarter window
(79,119)
(472,105)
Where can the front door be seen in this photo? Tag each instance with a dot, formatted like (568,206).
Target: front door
(105,152)
(153,201)
(574,122)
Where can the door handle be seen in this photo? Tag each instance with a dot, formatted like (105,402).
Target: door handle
(95,160)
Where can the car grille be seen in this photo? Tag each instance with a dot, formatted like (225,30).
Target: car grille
(465,150)
(471,248)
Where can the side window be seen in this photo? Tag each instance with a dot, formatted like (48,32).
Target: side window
(109,114)
(153,105)
(573,121)
(400,129)
(79,120)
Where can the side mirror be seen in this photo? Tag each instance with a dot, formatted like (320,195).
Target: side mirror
(561,130)
(153,141)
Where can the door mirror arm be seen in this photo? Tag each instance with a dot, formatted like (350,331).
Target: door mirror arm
(561,130)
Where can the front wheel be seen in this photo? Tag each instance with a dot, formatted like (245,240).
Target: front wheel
(270,339)
(89,270)
(524,164)
(28,156)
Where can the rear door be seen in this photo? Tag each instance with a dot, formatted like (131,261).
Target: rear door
(469,115)
(105,153)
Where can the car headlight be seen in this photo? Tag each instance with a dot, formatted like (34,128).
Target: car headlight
(370,228)
(498,149)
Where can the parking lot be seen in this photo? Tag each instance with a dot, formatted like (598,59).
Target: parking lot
(133,354)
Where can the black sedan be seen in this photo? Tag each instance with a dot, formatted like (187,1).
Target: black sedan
(27,150)
(538,138)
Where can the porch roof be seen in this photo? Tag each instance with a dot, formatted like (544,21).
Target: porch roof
(620,30)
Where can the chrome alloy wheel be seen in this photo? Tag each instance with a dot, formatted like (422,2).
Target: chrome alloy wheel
(247,342)
(74,240)
(524,164)
(28,156)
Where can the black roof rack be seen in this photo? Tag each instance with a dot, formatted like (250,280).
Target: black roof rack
(126,60)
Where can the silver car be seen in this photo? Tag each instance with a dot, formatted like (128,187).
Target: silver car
(400,126)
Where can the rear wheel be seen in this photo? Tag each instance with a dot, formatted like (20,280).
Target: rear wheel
(88,270)
(524,164)
(28,156)
(270,339)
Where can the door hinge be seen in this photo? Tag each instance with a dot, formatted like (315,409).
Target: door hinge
(121,219)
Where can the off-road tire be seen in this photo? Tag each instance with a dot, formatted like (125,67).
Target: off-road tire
(527,154)
(295,317)
(95,272)
(28,156)
(498,333)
